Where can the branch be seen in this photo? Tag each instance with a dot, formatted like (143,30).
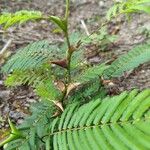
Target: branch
(5,47)
(85,27)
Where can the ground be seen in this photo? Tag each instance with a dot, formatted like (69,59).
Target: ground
(16,102)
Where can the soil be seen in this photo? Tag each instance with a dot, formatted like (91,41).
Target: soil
(15,102)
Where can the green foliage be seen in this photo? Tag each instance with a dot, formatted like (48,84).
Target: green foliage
(101,38)
(129,6)
(14,135)
(91,73)
(40,79)
(30,66)
(29,77)
(60,22)
(78,56)
(145,31)
(138,55)
(84,93)
(47,90)
(8,19)
(34,127)
(74,111)
(32,56)
(119,122)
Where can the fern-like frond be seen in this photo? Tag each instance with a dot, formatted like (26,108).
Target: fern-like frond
(34,127)
(91,73)
(87,91)
(115,123)
(47,90)
(30,57)
(40,80)
(28,77)
(138,55)
(115,10)
(129,6)
(9,19)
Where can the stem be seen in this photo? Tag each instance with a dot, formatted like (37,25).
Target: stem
(68,41)
(6,47)
(69,54)
(64,93)
(67,10)
(68,57)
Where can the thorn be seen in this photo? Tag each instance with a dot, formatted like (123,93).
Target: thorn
(59,105)
(57,113)
(61,63)
(107,82)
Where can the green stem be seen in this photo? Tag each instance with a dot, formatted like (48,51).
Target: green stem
(69,55)
(12,137)
(67,10)
(68,76)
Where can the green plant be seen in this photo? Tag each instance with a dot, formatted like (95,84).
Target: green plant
(127,7)
(104,124)
(138,55)
(101,38)
(145,31)
(74,111)
(119,122)
(8,19)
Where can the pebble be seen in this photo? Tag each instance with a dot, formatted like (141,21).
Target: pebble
(95,60)
(16,115)
(80,1)
(1,82)
(5,95)
(6,125)
(31,100)
(20,121)
(101,4)
(6,109)
(27,105)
